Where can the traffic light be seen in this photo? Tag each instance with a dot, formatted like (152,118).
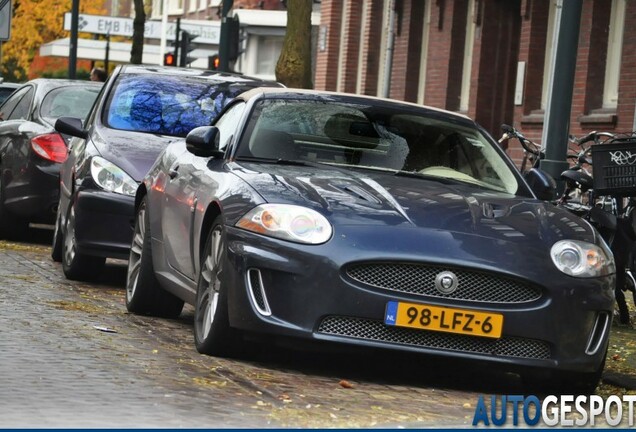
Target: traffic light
(169,59)
(186,47)
(234,39)
(214,61)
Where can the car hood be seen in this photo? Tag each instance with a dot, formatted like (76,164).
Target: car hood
(349,197)
(134,152)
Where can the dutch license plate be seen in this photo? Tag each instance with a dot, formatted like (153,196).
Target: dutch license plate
(444,319)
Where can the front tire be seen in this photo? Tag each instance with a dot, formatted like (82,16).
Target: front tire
(143,293)
(212,332)
(77,266)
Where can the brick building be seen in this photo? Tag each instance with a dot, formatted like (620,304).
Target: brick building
(489,59)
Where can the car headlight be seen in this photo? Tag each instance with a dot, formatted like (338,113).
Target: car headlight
(287,222)
(110,177)
(582,259)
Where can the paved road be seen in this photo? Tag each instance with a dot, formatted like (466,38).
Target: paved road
(71,356)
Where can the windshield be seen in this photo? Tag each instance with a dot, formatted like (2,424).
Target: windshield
(376,137)
(167,105)
(70,101)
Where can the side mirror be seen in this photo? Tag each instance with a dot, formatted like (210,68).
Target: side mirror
(541,183)
(71,126)
(204,141)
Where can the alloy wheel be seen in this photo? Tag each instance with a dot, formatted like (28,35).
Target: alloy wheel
(211,273)
(69,237)
(136,251)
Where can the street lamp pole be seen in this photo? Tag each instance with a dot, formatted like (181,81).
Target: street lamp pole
(72,55)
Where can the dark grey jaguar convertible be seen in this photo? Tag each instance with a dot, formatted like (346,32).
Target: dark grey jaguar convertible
(369,222)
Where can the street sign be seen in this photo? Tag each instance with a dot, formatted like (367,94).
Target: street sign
(207,32)
(5,20)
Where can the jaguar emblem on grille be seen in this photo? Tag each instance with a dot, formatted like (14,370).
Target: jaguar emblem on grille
(446,282)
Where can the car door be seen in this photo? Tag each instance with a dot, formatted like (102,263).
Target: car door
(189,174)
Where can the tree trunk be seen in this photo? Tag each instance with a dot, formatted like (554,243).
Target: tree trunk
(137,50)
(294,64)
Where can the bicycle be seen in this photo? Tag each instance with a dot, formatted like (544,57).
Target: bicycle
(611,214)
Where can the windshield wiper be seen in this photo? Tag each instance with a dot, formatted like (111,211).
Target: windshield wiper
(414,174)
(280,161)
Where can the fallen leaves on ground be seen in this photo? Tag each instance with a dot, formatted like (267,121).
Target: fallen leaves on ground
(345,384)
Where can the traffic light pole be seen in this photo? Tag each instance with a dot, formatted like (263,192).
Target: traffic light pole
(177,35)
(224,42)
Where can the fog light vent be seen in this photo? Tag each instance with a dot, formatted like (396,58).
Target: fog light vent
(598,333)
(257,292)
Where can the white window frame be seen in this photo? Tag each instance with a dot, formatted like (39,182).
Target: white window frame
(175,7)
(156,12)
(363,32)
(467,68)
(344,22)
(192,5)
(426,30)
(550,48)
(386,14)
(614,51)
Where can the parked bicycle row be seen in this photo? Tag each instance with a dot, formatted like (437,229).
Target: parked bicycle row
(599,186)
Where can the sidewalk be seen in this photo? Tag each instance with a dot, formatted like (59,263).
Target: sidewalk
(620,368)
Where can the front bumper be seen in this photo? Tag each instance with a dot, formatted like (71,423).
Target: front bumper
(293,290)
(104,223)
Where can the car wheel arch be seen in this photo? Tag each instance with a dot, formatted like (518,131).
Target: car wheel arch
(141,193)
(211,214)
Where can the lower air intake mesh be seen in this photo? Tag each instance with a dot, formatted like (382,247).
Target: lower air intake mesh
(372,330)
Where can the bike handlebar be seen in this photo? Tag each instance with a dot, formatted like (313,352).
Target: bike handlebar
(511,132)
(587,138)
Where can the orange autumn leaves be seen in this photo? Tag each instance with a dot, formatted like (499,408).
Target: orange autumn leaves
(36,22)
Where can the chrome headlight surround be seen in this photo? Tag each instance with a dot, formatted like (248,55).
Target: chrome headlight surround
(111,178)
(581,259)
(288,222)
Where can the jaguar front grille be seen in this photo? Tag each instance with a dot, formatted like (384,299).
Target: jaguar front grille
(419,279)
(372,330)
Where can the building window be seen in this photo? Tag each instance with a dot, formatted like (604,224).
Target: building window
(614,49)
(192,5)
(175,7)
(269,48)
(468,56)
(424,55)
(156,9)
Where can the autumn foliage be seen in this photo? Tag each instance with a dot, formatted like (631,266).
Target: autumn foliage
(36,22)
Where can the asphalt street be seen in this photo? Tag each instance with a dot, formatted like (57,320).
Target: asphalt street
(72,357)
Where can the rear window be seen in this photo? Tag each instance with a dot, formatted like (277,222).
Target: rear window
(168,105)
(5,92)
(70,101)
